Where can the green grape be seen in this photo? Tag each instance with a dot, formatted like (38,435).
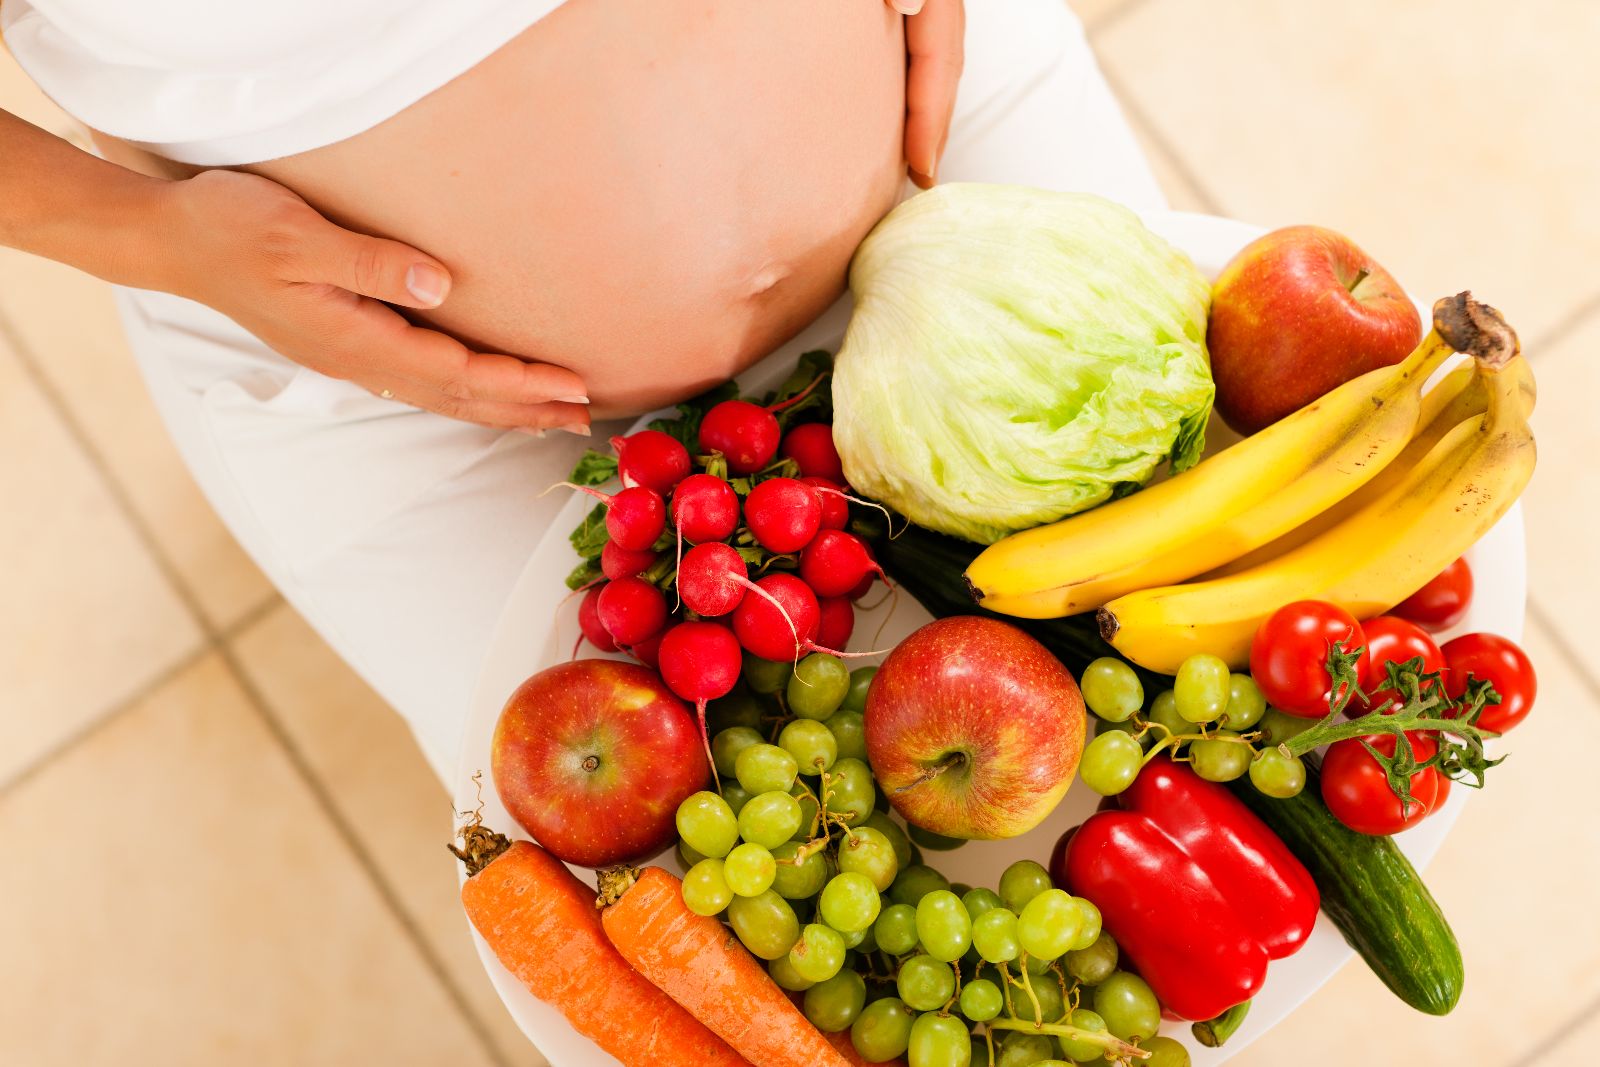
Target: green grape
(1201,688)
(1110,763)
(929,839)
(980,1051)
(960,889)
(866,851)
(943,926)
(860,681)
(1164,1052)
(849,902)
(855,940)
(726,746)
(1277,775)
(1164,710)
(866,940)
(738,708)
(978,901)
(896,929)
(915,882)
(897,837)
(705,890)
(783,972)
(939,1041)
(1038,965)
(1049,924)
(797,881)
(812,745)
(766,675)
(1021,882)
(1089,926)
(706,824)
(1094,964)
(1079,1049)
(883,1030)
(819,953)
(1018,1048)
(981,1000)
(1280,727)
(808,810)
(763,768)
(686,857)
(818,687)
(925,983)
(1111,689)
(1131,728)
(1246,705)
(835,1004)
(994,935)
(770,819)
(749,870)
(766,924)
(849,732)
(735,794)
(1221,761)
(1128,1006)
(851,790)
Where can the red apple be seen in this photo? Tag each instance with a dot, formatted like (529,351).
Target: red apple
(1296,313)
(593,758)
(973,729)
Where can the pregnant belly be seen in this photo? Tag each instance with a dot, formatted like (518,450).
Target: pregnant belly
(655,195)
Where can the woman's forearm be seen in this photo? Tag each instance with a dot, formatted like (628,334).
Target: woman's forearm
(62,203)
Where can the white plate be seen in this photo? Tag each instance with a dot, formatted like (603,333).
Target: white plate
(525,641)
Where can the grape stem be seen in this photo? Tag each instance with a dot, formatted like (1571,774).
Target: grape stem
(1027,987)
(1115,1047)
(1173,740)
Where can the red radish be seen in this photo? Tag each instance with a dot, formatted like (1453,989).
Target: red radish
(834,563)
(836,621)
(712,578)
(783,514)
(648,651)
(835,503)
(780,625)
(700,661)
(705,508)
(811,446)
(652,459)
(618,562)
(746,434)
(863,587)
(635,516)
(589,621)
(631,610)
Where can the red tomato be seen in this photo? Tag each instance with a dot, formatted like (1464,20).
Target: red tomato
(1443,602)
(1503,663)
(1392,640)
(1357,792)
(1289,656)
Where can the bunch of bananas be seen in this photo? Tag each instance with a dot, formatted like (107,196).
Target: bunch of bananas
(1359,498)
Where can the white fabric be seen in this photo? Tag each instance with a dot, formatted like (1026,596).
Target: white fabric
(223,82)
(397,533)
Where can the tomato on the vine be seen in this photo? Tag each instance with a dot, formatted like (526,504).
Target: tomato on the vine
(1357,791)
(1391,639)
(1443,602)
(1502,662)
(1289,655)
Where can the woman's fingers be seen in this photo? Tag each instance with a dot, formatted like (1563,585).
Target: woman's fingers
(934,58)
(906,7)
(371,266)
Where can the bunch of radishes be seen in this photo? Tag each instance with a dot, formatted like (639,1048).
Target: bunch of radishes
(742,548)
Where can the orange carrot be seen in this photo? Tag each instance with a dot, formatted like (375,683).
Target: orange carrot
(543,925)
(701,965)
(841,1041)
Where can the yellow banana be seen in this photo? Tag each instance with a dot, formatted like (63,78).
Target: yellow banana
(1218,510)
(1377,556)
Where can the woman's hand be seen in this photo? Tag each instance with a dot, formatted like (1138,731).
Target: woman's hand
(934,35)
(316,293)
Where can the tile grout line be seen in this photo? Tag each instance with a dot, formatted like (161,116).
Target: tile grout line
(1563,1030)
(1545,622)
(215,641)
(1570,321)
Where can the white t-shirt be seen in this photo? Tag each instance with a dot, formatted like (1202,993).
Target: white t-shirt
(221,82)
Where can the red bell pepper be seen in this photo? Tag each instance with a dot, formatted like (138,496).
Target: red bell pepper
(1198,892)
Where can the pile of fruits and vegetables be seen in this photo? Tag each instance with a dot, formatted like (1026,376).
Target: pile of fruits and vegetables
(1239,658)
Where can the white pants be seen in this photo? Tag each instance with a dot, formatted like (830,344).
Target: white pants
(398,533)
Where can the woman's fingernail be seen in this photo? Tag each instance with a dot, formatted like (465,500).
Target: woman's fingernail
(581,429)
(427,284)
(906,7)
(572,400)
(531,431)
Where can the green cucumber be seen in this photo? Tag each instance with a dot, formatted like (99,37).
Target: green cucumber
(1373,895)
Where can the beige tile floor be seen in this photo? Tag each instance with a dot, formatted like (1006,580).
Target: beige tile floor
(223,849)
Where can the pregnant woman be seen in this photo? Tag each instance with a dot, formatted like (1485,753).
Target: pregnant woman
(368,253)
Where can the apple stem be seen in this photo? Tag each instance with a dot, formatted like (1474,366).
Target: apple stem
(954,759)
(1361,276)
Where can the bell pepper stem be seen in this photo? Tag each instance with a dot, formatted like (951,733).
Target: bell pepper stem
(1213,1032)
